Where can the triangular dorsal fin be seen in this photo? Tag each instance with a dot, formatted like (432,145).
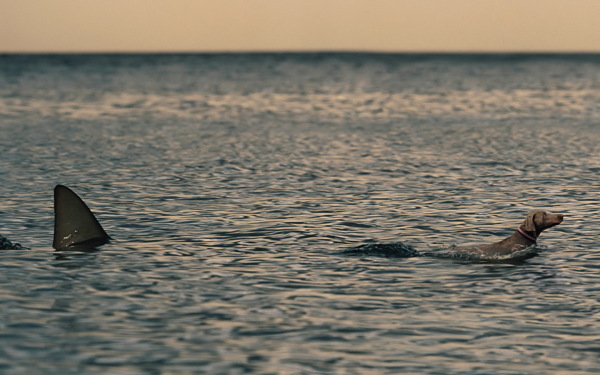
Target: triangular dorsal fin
(74,223)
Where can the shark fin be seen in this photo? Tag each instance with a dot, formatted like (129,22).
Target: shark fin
(74,224)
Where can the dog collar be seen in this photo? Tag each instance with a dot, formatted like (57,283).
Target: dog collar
(528,236)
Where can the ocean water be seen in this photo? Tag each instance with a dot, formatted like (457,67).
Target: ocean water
(230,184)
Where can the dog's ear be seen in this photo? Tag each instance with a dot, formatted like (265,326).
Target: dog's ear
(529,223)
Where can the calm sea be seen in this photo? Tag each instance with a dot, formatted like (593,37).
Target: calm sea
(231,182)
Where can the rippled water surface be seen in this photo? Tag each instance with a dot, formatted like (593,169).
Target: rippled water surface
(231,182)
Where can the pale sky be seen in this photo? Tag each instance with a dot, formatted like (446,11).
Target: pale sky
(299,25)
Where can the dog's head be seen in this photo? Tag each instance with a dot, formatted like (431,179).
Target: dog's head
(539,220)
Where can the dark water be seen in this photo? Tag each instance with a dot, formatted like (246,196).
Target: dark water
(231,182)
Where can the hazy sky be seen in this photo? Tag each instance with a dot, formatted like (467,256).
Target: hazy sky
(291,25)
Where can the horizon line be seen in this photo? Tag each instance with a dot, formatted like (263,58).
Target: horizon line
(306,51)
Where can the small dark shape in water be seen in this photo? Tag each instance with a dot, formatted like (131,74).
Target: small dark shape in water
(5,244)
(392,250)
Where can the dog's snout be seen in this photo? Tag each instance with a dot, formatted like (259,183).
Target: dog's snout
(560,216)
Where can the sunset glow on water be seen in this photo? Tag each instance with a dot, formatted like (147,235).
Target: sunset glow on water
(231,182)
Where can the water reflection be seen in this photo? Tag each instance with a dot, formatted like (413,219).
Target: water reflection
(75,258)
(231,198)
